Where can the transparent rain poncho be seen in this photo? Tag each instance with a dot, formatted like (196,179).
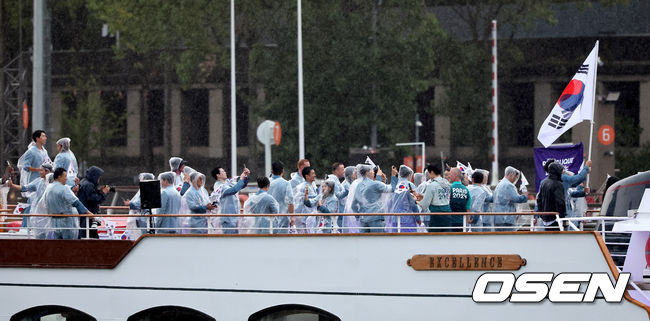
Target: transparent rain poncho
(505,197)
(418,178)
(478,195)
(402,201)
(184,221)
(299,206)
(367,196)
(136,226)
(578,202)
(40,223)
(351,223)
(261,203)
(322,224)
(194,202)
(281,191)
(225,195)
(171,203)
(174,164)
(66,160)
(350,175)
(33,157)
(44,226)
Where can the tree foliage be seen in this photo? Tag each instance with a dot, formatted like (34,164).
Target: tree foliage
(354,76)
(88,122)
(364,61)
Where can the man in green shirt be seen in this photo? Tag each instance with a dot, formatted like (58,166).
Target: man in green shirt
(459,199)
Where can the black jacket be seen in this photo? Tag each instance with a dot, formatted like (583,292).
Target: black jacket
(551,193)
(89,193)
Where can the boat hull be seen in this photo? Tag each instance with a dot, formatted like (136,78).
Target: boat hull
(355,277)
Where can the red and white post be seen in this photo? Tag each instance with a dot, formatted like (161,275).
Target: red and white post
(495,109)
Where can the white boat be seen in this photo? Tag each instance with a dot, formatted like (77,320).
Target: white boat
(291,277)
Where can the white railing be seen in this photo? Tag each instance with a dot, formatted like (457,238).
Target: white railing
(604,226)
(250,223)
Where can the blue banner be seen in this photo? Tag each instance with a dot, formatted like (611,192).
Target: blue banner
(570,156)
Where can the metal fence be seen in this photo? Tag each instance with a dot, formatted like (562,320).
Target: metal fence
(116,225)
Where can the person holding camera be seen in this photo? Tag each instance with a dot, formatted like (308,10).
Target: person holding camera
(91,195)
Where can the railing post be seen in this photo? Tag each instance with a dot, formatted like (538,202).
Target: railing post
(29,229)
(464,223)
(87,227)
(602,228)
(270,225)
(399,224)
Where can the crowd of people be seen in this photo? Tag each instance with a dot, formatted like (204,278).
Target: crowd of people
(297,205)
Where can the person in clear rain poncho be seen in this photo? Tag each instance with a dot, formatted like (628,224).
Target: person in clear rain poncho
(281,191)
(66,160)
(40,223)
(326,203)
(262,203)
(486,220)
(136,225)
(338,175)
(176,166)
(569,181)
(418,178)
(308,187)
(30,162)
(186,180)
(36,189)
(225,194)
(366,197)
(421,180)
(59,199)
(403,201)
(347,223)
(197,202)
(298,179)
(170,201)
(479,197)
(505,196)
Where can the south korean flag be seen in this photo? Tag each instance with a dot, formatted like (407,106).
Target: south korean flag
(575,104)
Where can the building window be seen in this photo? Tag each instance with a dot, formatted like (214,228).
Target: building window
(113,122)
(241,118)
(626,113)
(516,114)
(195,113)
(155,118)
(425,113)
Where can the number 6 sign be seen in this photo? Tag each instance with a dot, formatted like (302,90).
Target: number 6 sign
(606,134)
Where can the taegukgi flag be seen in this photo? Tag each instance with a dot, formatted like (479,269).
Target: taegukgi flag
(575,104)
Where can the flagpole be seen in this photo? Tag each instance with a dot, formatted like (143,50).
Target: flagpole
(495,109)
(301,122)
(591,125)
(233,96)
